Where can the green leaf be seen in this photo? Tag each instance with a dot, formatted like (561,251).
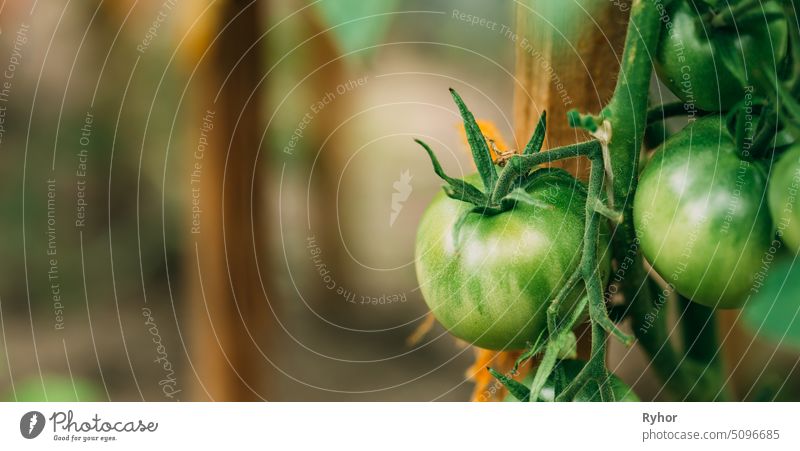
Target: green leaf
(477,142)
(537,139)
(357,25)
(774,312)
(516,389)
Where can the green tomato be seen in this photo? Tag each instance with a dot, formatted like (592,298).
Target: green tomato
(784,203)
(493,287)
(700,215)
(689,62)
(589,393)
(55,389)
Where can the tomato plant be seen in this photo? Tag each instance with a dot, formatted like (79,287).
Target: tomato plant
(514,256)
(490,259)
(693,59)
(700,215)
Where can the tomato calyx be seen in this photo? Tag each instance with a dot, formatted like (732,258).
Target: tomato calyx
(502,191)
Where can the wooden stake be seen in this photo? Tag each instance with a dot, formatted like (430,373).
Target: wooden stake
(567,54)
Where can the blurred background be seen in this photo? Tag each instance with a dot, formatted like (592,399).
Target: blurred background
(218,199)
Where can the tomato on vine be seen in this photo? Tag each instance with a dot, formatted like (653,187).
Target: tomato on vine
(708,63)
(701,215)
(488,279)
(489,261)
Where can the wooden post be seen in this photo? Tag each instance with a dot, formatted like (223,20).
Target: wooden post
(229,310)
(567,54)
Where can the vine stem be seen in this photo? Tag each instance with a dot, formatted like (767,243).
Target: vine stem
(615,158)
(595,370)
(627,115)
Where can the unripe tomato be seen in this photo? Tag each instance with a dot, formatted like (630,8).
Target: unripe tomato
(493,287)
(784,203)
(701,216)
(689,62)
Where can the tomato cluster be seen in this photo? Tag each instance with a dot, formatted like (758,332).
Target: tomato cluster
(701,210)
(708,67)
(714,205)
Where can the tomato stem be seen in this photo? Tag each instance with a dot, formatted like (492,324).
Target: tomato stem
(699,329)
(627,114)
(727,17)
(668,110)
(607,212)
(520,165)
(595,369)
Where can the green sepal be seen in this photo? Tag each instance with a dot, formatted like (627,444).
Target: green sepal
(536,348)
(520,195)
(516,389)
(458,189)
(462,192)
(537,139)
(561,343)
(546,366)
(486,211)
(477,142)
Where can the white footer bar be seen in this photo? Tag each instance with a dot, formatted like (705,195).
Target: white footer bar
(400,426)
